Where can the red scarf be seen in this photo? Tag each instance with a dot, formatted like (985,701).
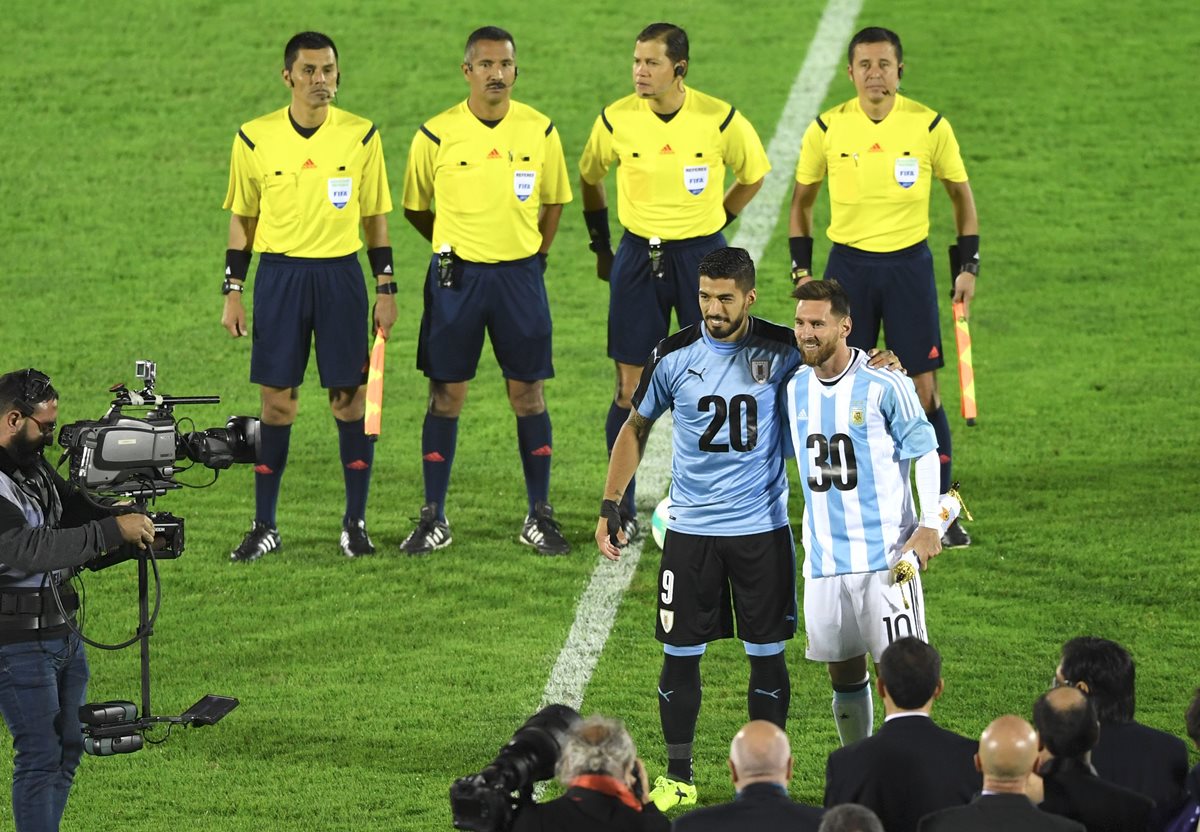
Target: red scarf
(610,786)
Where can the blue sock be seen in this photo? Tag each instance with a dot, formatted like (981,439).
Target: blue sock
(941,427)
(536,446)
(439,438)
(358,452)
(612,427)
(273,441)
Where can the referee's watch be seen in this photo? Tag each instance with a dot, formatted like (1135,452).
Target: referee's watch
(799,273)
(232,286)
(971,267)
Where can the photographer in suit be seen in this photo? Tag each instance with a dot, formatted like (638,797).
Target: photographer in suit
(46,530)
(605,782)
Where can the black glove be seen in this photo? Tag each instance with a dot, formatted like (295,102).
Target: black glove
(610,510)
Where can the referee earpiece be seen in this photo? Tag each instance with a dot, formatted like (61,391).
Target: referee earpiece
(678,70)
(516,72)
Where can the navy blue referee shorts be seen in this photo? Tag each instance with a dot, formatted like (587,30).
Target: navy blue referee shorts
(507,300)
(639,306)
(896,289)
(297,297)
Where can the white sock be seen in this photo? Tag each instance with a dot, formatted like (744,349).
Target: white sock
(854,712)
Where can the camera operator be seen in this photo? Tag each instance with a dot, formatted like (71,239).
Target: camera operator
(606,785)
(46,530)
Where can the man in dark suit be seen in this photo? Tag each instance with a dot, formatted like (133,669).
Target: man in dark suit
(1067,731)
(911,767)
(760,764)
(1007,751)
(1129,754)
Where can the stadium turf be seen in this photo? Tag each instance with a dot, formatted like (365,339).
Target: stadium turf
(367,686)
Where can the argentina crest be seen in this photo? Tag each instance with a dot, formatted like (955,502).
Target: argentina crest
(523,183)
(858,414)
(760,370)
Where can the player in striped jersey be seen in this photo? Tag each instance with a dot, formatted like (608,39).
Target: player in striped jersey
(856,432)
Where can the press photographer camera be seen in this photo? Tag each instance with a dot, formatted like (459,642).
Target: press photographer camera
(488,801)
(594,758)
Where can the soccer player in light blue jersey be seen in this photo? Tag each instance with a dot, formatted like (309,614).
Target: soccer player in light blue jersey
(857,432)
(728,545)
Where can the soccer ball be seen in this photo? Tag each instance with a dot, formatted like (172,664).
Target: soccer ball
(658,523)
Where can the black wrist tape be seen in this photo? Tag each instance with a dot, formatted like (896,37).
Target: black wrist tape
(237,263)
(801,249)
(597,226)
(729,217)
(381,260)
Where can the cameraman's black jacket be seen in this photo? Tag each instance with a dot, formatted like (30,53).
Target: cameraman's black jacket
(45,526)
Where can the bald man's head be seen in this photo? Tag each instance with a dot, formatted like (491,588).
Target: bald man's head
(760,753)
(1066,722)
(1007,749)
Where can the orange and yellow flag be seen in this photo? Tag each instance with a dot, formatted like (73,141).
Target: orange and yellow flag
(374,415)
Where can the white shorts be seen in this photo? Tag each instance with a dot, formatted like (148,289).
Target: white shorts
(850,615)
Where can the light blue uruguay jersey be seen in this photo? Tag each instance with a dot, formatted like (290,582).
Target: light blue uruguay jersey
(854,439)
(727,467)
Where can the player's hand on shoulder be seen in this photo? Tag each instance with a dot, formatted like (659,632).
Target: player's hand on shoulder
(233,316)
(885,359)
(925,543)
(604,261)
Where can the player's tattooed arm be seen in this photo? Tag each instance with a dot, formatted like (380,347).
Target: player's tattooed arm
(641,430)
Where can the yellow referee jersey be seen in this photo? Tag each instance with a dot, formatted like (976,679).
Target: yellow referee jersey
(309,194)
(671,174)
(879,174)
(486,183)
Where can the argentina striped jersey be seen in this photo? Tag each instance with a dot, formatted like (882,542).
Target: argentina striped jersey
(854,441)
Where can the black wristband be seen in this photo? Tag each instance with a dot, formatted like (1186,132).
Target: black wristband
(729,217)
(237,263)
(610,511)
(968,253)
(381,260)
(597,226)
(801,249)
(388,288)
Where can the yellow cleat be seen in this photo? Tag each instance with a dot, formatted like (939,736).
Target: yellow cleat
(668,793)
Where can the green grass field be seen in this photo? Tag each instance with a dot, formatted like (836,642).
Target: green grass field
(368,686)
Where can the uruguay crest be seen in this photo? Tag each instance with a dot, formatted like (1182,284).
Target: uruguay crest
(760,370)
(667,617)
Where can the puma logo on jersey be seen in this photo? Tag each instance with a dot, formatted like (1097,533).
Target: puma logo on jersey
(698,373)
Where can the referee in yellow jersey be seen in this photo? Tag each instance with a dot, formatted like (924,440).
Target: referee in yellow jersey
(302,181)
(881,152)
(494,170)
(672,145)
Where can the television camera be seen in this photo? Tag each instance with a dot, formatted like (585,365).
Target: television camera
(135,459)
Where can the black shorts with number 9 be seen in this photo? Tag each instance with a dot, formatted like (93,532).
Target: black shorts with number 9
(704,580)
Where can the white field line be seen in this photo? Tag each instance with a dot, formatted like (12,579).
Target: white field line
(599,603)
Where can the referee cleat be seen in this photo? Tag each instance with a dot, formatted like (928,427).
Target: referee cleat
(542,532)
(956,537)
(668,793)
(258,541)
(355,542)
(430,533)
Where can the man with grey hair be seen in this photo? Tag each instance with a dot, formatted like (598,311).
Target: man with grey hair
(850,817)
(605,782)
(760,765)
